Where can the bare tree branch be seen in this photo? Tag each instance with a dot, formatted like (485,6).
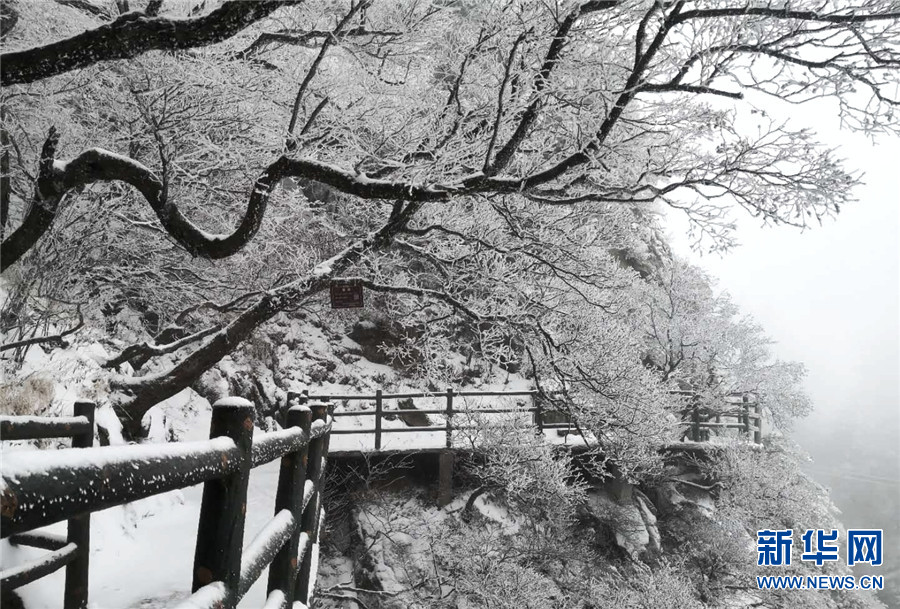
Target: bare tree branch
(311,72)
(148,350)
(305,39)
(53,338)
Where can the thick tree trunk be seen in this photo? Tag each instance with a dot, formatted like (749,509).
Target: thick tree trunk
(151,390)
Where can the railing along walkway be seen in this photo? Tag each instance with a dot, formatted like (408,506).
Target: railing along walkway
(40,488)
(745,416)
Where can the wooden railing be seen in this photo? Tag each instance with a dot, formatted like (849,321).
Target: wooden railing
(73,551)
(40,488)
(44,487)
(746,416)
(449,411)
(700,423)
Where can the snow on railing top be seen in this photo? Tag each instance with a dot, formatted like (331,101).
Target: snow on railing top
(23,463)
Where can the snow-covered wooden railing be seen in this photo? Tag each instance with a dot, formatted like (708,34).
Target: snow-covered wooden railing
(539,415)
(747,419)
(73,551)
(43,487)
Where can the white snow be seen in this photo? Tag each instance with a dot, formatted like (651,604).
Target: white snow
(276,528)
(234,402)
(205,597)
(276,600)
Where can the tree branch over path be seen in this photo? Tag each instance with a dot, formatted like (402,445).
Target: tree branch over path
(131,35)
(305,39)
(57,178)
(147,391)
(507,152)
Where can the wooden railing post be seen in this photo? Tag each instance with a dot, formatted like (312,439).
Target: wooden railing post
(449,417)
(378,411)
(284,568)
(695,427)
(309,523)
(757,433)
(745,414)
(220,533)
(538,413)
(76,586)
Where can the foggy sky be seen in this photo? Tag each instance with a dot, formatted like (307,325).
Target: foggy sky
(830,297)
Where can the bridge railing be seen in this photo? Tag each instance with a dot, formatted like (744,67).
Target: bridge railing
(449,411)
(40,488)
(745,416)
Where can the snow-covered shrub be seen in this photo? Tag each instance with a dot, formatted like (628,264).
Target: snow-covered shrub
(31,396)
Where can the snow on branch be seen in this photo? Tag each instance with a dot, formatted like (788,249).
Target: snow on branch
(130,35)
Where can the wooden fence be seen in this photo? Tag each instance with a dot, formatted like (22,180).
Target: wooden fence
(746,416)
(44,487)
(40,488)
(449,411)
(701,421)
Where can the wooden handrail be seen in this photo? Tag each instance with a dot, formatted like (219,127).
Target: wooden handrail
(42,487)
(448,411)
(33,428)
(699,422)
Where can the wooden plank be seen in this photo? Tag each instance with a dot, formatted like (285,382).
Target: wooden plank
(396,411)
(378,414)
(290,496)
(757,431)
(354,413)
(487,394)
(526,410)
(39,539)
(412,429)
(261,552)
(449,415)
(275,445)
(356,430)
(309,522)
(419,394)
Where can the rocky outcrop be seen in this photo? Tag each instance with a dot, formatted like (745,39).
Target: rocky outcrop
(412,417)
(628,516)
